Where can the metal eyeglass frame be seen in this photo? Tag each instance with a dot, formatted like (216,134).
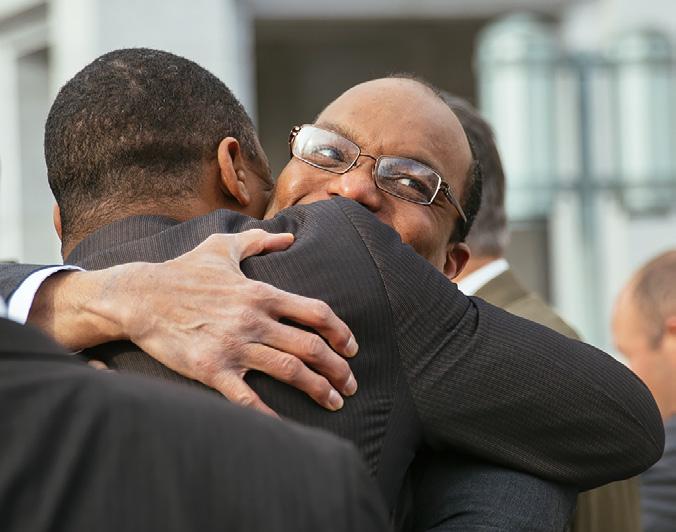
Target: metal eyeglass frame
(441,184)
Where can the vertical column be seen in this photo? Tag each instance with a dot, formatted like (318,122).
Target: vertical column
(215,33)
(10,160)
(645,104)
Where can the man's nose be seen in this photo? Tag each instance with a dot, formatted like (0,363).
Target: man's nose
(357,184)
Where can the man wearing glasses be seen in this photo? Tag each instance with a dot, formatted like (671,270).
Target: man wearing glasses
(433,365)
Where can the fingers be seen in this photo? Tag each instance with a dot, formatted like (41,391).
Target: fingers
(276,242)
(97,364)
(233,387)
(317,315)
(239,246)
(314,352)
(292,371)
(256,241)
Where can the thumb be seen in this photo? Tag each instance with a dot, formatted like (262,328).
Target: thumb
(256,241)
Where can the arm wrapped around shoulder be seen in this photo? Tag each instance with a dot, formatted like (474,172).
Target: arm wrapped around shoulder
(506,389)
(535,400)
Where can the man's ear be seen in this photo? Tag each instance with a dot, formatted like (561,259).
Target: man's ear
(56,217)
(670,325)
(232,171)
(669,336)
(457,256)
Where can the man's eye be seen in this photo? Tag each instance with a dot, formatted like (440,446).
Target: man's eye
(413,183)
(329,152)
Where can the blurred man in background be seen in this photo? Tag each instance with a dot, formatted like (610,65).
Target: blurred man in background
(644,329)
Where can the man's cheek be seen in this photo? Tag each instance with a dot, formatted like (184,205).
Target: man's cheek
(312,197)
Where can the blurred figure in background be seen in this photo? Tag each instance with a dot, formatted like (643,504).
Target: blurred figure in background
(488,275)
(644,329)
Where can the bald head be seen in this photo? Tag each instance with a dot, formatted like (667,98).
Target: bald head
(644,327)
(396,117)
(653,291)
(413,107)
(417,113)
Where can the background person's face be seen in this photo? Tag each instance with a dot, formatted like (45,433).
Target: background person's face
(646,359)
(388,117)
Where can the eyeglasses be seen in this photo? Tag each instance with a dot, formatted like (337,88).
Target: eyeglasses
(401,177)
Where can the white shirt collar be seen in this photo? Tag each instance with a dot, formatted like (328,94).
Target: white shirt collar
(3,309)
(471,284)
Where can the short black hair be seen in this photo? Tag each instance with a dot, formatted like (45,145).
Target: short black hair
(489,234)
(133,127)
(471,198)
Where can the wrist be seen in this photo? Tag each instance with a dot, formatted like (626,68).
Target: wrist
(114,300)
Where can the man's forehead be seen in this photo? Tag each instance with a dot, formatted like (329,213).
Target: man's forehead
(403,115)
(389,98)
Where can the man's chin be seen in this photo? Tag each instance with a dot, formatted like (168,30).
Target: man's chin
(275,207)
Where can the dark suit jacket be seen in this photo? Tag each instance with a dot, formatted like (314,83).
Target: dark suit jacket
(83,450)
(434,366)
(614,506)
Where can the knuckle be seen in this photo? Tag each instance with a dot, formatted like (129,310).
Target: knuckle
(257,233)
(322,312)
(313,347)
(290,368)
(212,240)
(343,369)
(244,399)
(204,368)
(248,319)
(258,289)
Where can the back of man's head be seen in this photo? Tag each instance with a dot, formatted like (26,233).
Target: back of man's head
(653,291)
(135,128)
(644,328)
(489,235)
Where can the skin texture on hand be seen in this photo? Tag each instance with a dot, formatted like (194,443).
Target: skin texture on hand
(200,316)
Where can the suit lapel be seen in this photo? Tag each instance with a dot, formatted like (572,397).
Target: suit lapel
(503,290)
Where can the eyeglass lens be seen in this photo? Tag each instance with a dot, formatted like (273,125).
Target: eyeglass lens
(404,178)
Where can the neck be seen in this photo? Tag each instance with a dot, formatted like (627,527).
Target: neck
(180,210)
(473,264)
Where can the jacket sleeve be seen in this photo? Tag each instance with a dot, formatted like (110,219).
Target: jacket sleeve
(13,275)
(20,282)
(504,388)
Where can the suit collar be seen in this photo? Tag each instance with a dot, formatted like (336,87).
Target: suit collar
(478,278)
(502,290)
(117,233)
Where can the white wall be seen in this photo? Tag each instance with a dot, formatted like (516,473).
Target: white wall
(26,231)
(215,33)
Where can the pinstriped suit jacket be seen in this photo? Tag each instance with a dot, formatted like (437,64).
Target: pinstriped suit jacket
(614,506)
(121,453)
(434,366)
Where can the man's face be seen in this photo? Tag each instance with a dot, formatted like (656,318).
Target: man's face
(389,117)
(632,338)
